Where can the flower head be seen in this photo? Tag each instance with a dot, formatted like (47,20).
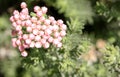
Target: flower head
(36,31)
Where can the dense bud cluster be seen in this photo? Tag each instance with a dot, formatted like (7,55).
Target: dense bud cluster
(36,31)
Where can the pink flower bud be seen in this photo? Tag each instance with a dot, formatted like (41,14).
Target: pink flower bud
(25,45)
(56,34)
(59,38)
(24,54)
(28,23)
(51,18)
(31,36)
(21,48)
(63,27)
(34,19)
(42,18)
(55,41)
(50,27)
(20,37)
(62,33)
(35,32)
(28,41)
(23,23)
(39,13)
(18,28)
(46,45)
(22,16)
(48,32)
(43,41)
(36,8)
(45,37)
(16,12)
(38,45)
(29,29)
(23,5)
(47,22)
(25,36)
(18,22)
(44,10)
(50,39)
(12,19)
(32,44)
(59,45)
(53,22)
(41,33)
(20,32)
(55,28)
(18,42)
(14,39)
(14,24)
(43,27)
(38,22)
(59,22)
(37,38)
(14,32)
(16,16)
(33,26)
(14,42)
(27,16)
(38,27)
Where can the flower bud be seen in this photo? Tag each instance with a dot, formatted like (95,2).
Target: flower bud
(63,27)
(35,32)
(24,53)
(39,13)
(32,44)
(46,45)
(28,41)
(43,41)
(63,33)
(38,45)
(36,8)
(28,23)
(25,36)
(21,48)
(29,29)
(23,5)
(44,10)
(16,12)
(55,41)
(47,22)
(31,36)
(34,19)
(56,34)
(37,38)
(50,39)
(59,45)
(18,42)
(59,22)
(16,16)
(12,19)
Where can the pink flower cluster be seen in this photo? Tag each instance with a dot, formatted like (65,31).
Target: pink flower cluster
(36,31)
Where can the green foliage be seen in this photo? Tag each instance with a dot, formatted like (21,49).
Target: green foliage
(76,9)
(110,58)
(110,13)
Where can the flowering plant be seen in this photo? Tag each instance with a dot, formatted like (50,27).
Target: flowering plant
(36,30)
(67,51)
